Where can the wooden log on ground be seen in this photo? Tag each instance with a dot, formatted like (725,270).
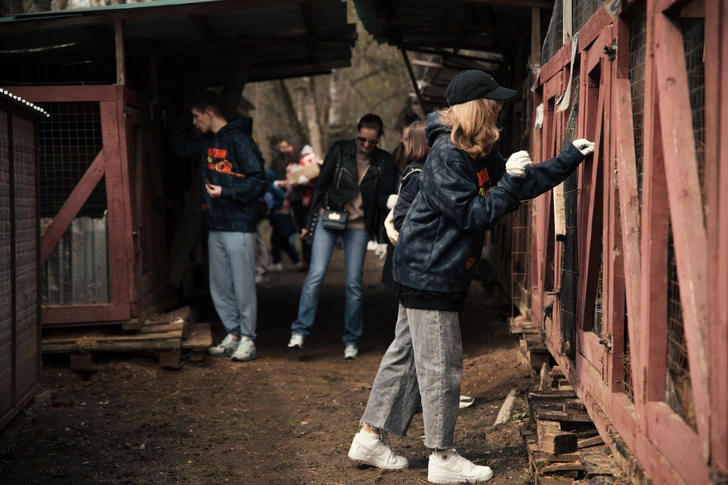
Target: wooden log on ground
(559,443)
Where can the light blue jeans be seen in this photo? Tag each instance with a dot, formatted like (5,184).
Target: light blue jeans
(424,364)
(355,250)
(232,280)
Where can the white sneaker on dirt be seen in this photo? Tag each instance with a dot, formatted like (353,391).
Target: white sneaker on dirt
(296,341)
(372,450)
(351,351)
(275,267)
(224,348)
(450,467)
(245,351)
(466,402)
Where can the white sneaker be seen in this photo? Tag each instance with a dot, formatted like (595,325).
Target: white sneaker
(369,449)
(453,468)
(275,267)
(296,341)
(351,351)
(466,402)
(245,350)
(261,278)
(224,348)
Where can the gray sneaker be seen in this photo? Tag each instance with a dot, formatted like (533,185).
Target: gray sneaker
(351,352)
(224,348)
(245,351)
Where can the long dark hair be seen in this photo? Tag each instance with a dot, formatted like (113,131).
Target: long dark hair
(409,119)
(296,141)
(415,144)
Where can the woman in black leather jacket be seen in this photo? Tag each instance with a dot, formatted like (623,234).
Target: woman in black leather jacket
(357,178)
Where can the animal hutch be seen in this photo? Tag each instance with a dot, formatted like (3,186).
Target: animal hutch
(624,268)
(117,211)
(20,373)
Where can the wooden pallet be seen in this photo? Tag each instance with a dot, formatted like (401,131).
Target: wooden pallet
(563,445)
(168,335)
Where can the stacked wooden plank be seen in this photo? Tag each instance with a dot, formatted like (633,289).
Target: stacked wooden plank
(564,446)
(532,344)
(169,335)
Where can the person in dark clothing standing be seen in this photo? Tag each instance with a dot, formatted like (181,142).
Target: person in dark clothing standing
(400,160)
(465,188)
(355,181)
(232,181)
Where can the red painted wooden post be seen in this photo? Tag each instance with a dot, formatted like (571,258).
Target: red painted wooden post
(53,233)
(121,279)
(716,179)
(686,209)
(630,222)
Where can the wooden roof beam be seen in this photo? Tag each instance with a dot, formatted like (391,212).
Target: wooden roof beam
(545,4)
(203,28)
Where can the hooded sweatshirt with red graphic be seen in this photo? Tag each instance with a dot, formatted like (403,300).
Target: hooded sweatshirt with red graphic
(231,159)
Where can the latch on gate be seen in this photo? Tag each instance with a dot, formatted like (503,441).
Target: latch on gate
(611,50)
(607,342)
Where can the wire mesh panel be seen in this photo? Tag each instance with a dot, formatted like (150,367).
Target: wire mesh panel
(77,271)
(581,11)
(678,385)
(694,41)
(627,358)
(70,139)
(599,300)
(554,35)
(569,266)
(637,51)
(521,256)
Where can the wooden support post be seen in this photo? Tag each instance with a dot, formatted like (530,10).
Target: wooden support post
(536,36)
(82,362)
(170,359)
(413,79)
(559,213)
(120,55)
(232,91)
(567,24)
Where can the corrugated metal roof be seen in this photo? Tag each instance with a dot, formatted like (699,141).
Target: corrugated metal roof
(272,31)
(456,34)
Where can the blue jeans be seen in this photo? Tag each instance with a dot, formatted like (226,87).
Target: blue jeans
(355,250)
(232,280)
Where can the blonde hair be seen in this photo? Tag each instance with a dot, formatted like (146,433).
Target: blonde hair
(473,126)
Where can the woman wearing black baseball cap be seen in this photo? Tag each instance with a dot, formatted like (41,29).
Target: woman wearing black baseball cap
(466,186)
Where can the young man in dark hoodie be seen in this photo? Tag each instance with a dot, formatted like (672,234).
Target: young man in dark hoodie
(233,179)
(465,188)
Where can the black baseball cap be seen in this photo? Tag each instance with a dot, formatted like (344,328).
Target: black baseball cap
(474,84)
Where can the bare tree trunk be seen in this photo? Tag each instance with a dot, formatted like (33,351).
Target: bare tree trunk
(310,110)
(288,108)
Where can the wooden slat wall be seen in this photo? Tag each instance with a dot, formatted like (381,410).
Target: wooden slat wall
(20,364)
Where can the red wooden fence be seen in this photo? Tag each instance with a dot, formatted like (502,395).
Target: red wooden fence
(647,348)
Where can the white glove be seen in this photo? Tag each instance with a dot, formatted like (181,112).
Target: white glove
(391,201)
(392,233)
(302,180)
(586,147)
(517,163)
(278,184)
(381,251)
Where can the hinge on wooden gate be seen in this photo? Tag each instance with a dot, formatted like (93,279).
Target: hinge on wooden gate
(611,50)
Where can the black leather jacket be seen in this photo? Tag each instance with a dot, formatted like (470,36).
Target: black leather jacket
(337,184)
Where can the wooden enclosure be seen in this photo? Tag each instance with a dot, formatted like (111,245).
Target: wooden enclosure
(632,251)
(20,368)
(95,162)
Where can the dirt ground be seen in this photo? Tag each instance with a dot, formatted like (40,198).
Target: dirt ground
(286,418)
